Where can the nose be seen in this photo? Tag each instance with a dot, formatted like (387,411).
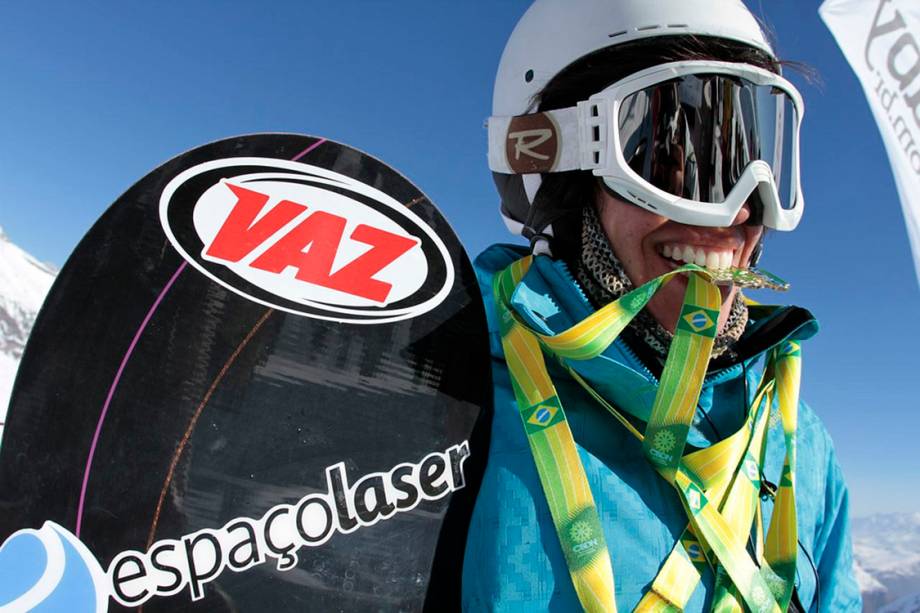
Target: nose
(743,215)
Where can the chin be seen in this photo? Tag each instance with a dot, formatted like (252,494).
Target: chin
(665,307)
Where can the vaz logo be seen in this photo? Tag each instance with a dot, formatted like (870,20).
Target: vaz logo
(306,240)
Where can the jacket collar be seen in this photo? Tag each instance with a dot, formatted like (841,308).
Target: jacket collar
(549,300)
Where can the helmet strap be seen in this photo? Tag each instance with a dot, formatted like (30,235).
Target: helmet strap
(541,242)
(539,233)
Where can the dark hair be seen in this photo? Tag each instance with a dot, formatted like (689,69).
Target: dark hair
(567,192)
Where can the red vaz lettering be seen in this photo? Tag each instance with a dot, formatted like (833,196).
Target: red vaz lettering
(386,247)
(321,232)
(241,233)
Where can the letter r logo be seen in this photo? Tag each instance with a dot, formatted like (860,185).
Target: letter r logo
(532,143)
(527,140)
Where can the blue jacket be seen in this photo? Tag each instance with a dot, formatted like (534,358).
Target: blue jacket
(513,558)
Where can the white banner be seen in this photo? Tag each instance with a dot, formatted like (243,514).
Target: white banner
(881,40)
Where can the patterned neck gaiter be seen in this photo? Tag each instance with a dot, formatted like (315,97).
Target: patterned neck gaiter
(601,275)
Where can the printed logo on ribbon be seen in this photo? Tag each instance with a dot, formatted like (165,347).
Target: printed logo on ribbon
(761,598)
(664,441)
(752,470)
(582,538)
(543,415)
(306,240)
(698,320)
(51,569)
(694,550)
(788,477)
(662,445)
(581,532)
(637,298)
(790,349)
(695,498)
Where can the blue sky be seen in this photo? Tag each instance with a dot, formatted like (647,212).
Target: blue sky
(97,94)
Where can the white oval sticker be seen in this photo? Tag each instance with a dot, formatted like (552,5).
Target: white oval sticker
(306,240)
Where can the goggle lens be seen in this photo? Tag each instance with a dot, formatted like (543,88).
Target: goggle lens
(693,136)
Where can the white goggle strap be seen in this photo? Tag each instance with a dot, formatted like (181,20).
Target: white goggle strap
(553,141)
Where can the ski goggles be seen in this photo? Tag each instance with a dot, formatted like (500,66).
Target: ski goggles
(692,141)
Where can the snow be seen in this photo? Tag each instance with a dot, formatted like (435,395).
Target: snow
(24,282)
(867,583)
(8,366)
(908,604)
(887,551)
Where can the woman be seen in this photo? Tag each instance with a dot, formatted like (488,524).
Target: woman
(649,450)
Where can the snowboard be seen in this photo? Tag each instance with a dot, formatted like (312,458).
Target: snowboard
(261,382)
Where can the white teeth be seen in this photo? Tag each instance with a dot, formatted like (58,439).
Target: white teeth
(713,260)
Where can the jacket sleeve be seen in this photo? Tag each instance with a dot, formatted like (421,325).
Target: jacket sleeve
(833,549)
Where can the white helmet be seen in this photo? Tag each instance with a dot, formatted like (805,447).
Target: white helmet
(553,34)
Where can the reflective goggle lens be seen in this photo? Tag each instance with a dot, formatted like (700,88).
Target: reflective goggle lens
(693,136)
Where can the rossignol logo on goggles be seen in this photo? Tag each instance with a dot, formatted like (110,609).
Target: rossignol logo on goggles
(306,240)
(532,143)
(51,567)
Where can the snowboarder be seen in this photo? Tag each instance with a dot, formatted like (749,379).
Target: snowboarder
(649,450)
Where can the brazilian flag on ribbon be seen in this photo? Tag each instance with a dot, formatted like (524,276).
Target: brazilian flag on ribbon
(542,415)
(698,320)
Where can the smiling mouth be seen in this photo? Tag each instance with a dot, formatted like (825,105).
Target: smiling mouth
(711,258)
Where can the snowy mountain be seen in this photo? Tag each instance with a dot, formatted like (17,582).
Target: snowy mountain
(24,281)
(887,549)
(908,604)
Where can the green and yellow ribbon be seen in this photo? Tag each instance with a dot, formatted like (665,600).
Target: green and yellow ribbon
(719,486)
